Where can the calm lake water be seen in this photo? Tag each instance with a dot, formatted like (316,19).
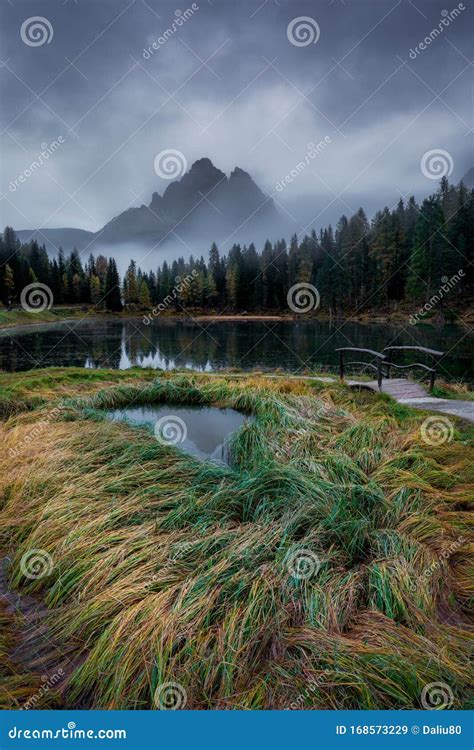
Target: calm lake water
(201,431)
(213,345)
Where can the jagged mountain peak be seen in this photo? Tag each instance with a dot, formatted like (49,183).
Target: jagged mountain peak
(203,163)
(238,172)
(201,178)
(205,186)
(203,206)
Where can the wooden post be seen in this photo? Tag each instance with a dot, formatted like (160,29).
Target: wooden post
(388,362)
(379,373)
(341,365)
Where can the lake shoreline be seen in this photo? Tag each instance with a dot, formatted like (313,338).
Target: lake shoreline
(300,343)
(24,319)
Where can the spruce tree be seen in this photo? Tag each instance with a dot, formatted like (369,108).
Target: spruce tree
(113,300)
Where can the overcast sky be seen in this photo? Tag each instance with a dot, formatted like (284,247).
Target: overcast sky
(229,84)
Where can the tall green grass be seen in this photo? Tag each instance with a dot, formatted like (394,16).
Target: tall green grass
(167,569)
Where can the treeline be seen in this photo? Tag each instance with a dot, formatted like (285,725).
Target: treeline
(71,282)
(401,256)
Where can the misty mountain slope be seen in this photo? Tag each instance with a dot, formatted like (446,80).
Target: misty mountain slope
(204,202)
(468,178)
(202,207)
(67,238)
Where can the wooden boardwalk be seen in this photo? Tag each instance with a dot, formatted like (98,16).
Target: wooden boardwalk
(415,395)
(398,388)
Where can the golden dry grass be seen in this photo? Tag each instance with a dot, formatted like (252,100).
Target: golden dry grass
(169,570)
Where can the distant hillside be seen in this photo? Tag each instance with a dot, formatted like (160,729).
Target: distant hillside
(67,238)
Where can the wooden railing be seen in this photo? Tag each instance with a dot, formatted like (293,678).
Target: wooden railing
(384,360)
(375,355)
(435,356)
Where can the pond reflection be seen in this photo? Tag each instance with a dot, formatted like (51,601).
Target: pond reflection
(203,432)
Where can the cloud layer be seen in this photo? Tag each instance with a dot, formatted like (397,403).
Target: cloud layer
(228,84)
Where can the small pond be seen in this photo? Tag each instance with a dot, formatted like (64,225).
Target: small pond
(202,431)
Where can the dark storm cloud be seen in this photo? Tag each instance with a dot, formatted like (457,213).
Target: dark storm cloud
(227,83)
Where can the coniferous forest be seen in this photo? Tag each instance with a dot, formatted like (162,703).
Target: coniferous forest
(402,256)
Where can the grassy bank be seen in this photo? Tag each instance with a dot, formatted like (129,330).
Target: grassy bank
(20,317)
(164,569)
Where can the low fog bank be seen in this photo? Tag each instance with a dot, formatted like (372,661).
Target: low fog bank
(297,216)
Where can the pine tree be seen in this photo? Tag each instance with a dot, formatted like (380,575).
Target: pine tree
(76,288)
(113,301)
(425,266)
(251,278)
(101,265)
(210,291)
(234,279)
(131,284)
(383,252)
(355,260)
(293,261)
(8,284)
(144,295)
(268,272)
(56,282)
(218,273)
(95,293)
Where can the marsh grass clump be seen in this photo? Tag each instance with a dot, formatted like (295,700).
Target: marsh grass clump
(328,554)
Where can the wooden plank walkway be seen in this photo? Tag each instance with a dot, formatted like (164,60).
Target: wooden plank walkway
(415,395)
(396,387)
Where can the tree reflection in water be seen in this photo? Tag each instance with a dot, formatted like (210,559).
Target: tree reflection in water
(213,345)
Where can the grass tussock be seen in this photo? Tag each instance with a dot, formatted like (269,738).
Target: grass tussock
(166,569)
